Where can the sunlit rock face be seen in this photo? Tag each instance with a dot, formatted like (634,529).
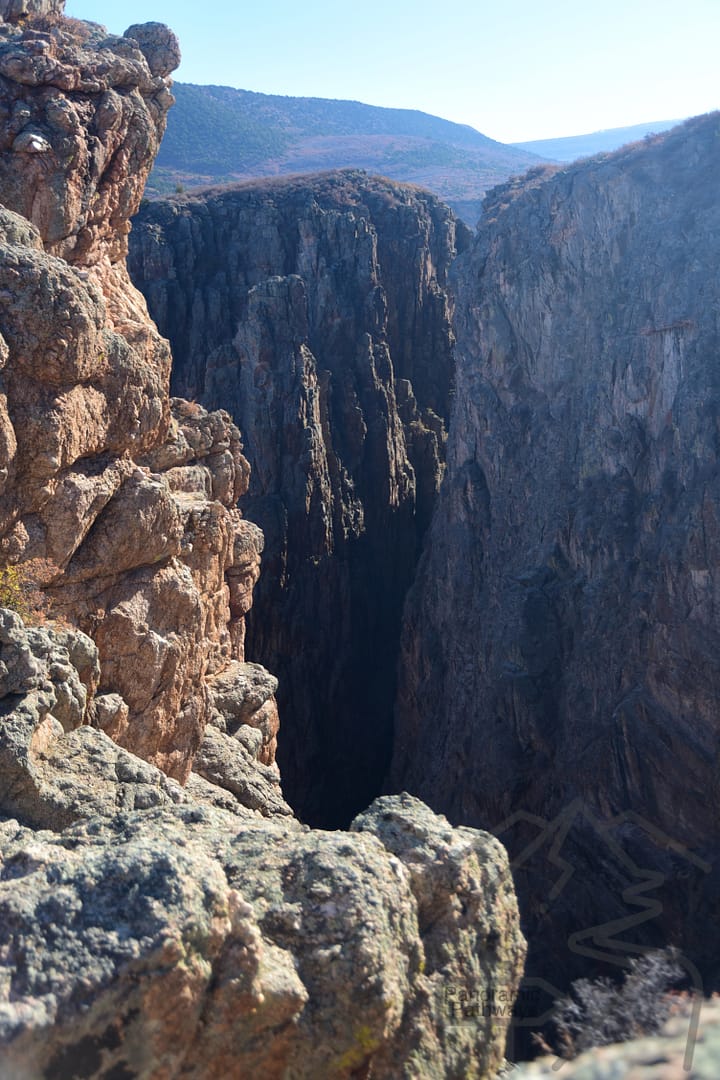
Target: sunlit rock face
(122,503)
(148,929)
(316,311)
(162,913)
(560,647)
(13,10)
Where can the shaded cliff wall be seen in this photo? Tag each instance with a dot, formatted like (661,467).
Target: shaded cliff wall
(316,311)
(560,647)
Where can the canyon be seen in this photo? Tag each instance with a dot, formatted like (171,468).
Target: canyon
(301,481)
(162,911)
(558,678)
(316,311)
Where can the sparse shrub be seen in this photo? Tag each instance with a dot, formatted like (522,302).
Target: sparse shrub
(600,1011)
(21,590)
(54,22)
(12,591)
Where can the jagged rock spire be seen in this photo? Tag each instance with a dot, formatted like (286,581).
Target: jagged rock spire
(158,45)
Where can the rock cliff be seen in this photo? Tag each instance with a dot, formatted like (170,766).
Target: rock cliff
(162,913)
(122,506)
(316,311)
(559,661)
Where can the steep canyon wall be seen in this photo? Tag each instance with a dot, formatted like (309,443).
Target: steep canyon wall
(316,311)
(559,677)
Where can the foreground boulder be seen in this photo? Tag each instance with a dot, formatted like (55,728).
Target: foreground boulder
(149,930)
(176,942)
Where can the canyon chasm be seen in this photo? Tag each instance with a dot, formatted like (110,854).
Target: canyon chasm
(316,311)
(313,485)
(162,911)
(557,670)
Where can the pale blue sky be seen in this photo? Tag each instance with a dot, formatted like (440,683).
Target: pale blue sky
(527,69)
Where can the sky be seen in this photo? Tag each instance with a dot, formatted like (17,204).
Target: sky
(527,69)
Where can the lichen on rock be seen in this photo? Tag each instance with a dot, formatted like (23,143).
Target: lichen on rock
(243,951)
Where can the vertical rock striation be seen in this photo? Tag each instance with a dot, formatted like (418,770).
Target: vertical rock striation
(316,311)
(560,649)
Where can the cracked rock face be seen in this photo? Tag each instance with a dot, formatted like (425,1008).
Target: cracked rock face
(82,114)
(12,10)
(242,950)
(125,501)
(55,768)
(560,646)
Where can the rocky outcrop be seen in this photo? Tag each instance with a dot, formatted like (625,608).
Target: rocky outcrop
(559,675)
(120,504)
(240,952)
(161,911)
(316,311)
(148,929)
(14,10)
(58,763)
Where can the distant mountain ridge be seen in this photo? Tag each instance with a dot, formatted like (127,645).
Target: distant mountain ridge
(217,134)
(572,147)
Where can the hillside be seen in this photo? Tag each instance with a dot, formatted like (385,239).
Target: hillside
(573,147)
(217,134)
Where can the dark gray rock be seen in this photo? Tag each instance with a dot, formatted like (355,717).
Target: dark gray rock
(225,762)
(315,310)
(560,649)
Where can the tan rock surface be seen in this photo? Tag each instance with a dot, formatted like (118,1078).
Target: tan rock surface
(11,10)
(244,949)
(125,503)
